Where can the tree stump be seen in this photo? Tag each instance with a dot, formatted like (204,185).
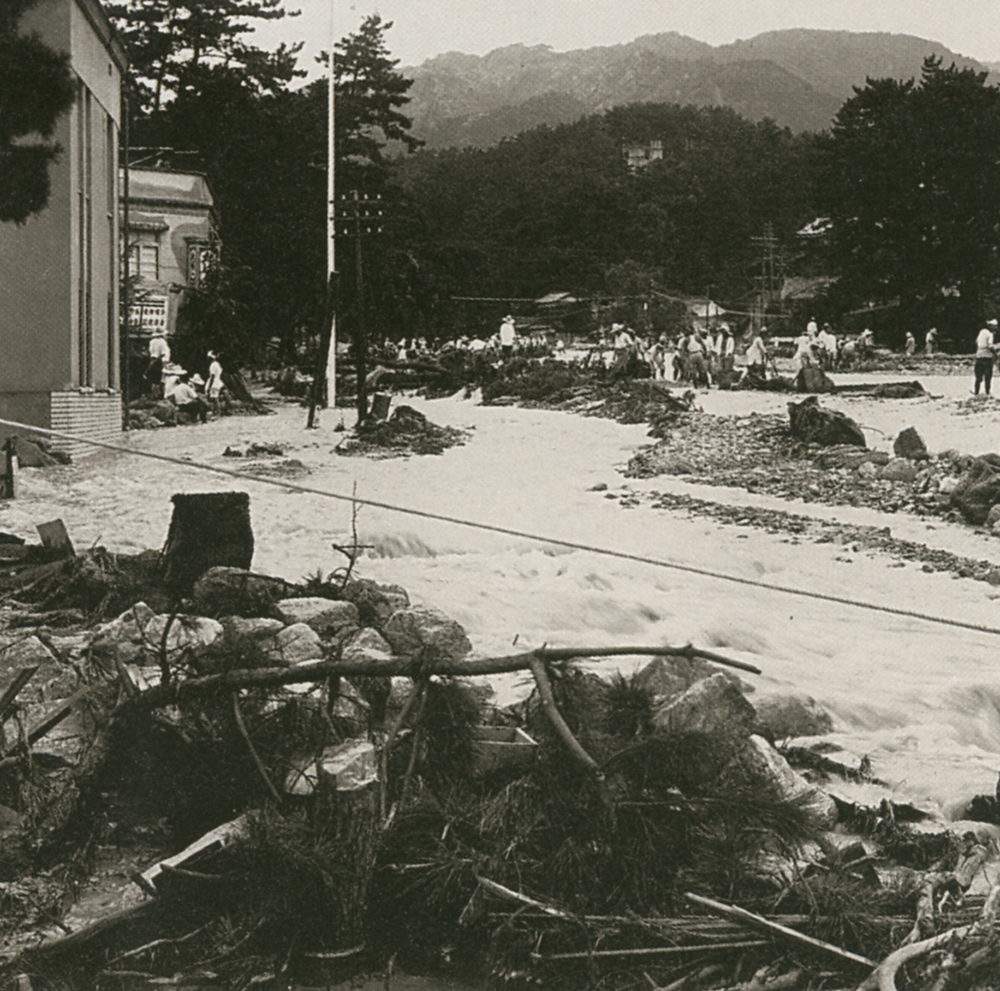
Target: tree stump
(208,529)
(347,809)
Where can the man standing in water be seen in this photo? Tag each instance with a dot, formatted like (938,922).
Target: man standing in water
(985,352)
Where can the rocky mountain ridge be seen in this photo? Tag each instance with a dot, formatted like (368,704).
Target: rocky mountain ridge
(797,77)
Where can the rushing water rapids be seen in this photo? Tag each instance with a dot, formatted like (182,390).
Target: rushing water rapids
(921,699)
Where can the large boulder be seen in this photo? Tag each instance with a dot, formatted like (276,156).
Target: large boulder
(815,425)
(295,644)
(181,636)
(421,628)
(375,602)
(977,491)
(123,638)
(715,711)
(667,677)
(909,444)
(366,645)
(237,592)
(784,717)
(325,616)
(757,768)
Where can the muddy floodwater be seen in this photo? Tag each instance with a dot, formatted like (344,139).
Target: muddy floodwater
(921,699)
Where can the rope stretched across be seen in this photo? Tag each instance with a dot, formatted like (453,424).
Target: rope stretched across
(520,534)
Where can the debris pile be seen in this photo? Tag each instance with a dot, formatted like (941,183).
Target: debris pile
(308,777)
(406,432)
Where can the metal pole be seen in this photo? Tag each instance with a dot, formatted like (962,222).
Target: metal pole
(331,222)
(125,291)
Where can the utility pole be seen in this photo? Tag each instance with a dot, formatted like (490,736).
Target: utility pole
(326,372)
(361,217)
(769,278)
(331,222)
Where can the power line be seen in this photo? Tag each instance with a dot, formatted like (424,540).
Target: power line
(520,534)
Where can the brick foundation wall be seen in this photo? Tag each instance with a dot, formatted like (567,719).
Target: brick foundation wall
(95,415)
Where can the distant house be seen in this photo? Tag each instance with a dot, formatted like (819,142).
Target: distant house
(172,241)
(59,272)
(638,156)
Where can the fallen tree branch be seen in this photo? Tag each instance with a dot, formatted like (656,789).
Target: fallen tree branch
(649,951)
(759,922)
(242,727)
(23,676)
(516,896)
(537,666)
(412,667)
(387,749)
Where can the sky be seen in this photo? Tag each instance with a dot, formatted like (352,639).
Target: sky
(425,28)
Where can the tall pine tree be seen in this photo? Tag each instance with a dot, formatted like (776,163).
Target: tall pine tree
(36,89)
(173,43)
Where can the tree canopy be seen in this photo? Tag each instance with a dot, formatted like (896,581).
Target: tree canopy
(36,89)
(173,44)
(911,183)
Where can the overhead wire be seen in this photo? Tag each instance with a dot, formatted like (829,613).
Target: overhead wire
(518,533)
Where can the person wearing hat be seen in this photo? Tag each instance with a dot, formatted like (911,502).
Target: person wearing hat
(930,341)
(188,400)
(985,354)
(508,335)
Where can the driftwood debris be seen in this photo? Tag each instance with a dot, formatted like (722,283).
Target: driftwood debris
(754,921)
(410,667)
(965,946)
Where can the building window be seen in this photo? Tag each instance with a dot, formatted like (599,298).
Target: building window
(148,315)
(201,259)
(144,261)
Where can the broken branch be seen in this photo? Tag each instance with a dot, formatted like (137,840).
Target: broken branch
(759,922)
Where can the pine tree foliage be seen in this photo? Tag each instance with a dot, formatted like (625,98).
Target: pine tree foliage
(912,185)
(173,43)
(36,89)
(370,92)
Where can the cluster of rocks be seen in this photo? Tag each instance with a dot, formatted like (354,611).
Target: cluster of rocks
(856,539)
(694,697)
(266,622)
(759,453)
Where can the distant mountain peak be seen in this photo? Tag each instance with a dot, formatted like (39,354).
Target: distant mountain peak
(798,77)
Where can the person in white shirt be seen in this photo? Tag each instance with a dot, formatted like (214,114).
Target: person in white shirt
(828,347)
(805,357)
(508,335)
(188,400)
(725,349)
(215,386)
(159,355)
(757,355)
(985,353)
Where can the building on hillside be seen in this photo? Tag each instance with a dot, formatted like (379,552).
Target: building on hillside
(59,310)
(638,156)
(172,240)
